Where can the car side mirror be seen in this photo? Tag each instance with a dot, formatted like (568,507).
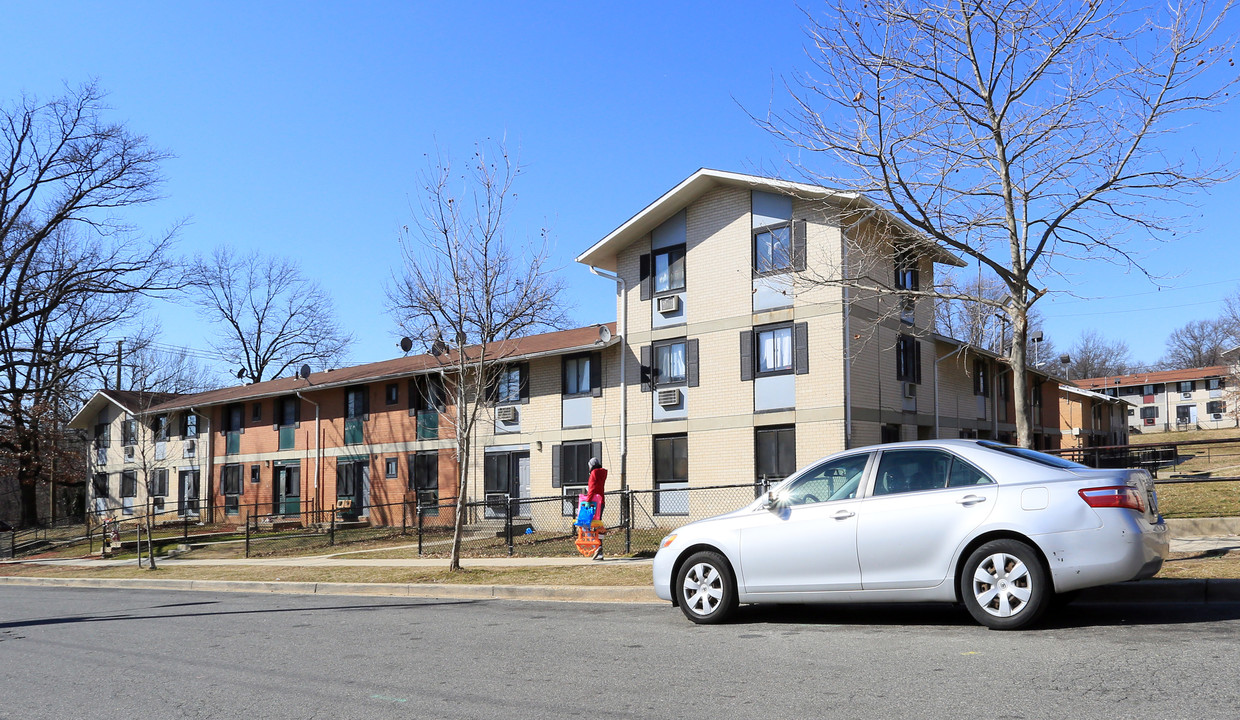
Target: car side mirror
(774,501)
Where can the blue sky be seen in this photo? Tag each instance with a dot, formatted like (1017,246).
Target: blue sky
(299,128)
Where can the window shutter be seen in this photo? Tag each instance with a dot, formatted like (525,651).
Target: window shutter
(691,362)
(277,413)
(800,348)
(747,355)
(917,362)
(916,278)
(564,363)
(798,245)
(646,370)
(645,275)
(365,402)
(413,397)
(524,381)
(596,450)
(555,465)
(596,374)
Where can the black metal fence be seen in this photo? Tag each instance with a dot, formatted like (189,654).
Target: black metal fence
(1165,457)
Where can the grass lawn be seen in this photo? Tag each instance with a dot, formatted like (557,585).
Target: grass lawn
(1210,564)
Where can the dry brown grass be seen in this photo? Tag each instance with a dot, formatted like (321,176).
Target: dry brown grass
(1210,564)
(1199,499)
(592,575)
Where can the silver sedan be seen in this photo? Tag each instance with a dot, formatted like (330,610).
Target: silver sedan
(1001,529)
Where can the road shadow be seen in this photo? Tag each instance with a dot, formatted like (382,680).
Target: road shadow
(1076,615)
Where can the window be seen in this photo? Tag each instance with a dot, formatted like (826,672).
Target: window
(189,425)
(570,471)
(425,394)
(290,411)
(669,363)
(835,480)
(1214,384)
(100,485)
(889,433)
(159,482)
(511,384)
(1132,412)
(582,375)
(159,428)
(901,471)
(772,249)
(1185,414)
(255,474)
(129,433)
(389,468)
(907,277)
(775,453)
(1187,386)
(424,480)
(233,415)
(256,413)
(981,378)
(669,269)
(774,350)
(230,485)
(908,359)
(357,403)
(391,394)
(1149,412)
(1216,406)
(129,484)
(1147,390)
(671,475)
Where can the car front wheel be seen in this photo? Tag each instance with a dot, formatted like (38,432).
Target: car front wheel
(706,588)
(1004,585)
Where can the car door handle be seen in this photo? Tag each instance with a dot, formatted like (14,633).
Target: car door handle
(843,514)
(968,500)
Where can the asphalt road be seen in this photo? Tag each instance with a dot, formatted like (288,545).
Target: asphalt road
(76,653)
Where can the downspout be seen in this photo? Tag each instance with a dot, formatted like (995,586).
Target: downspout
(318,447)
(848,335)
(624,390)
(957,351)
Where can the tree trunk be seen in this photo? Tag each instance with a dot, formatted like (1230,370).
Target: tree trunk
(1020,379)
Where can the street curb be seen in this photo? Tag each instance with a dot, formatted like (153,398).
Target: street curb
(556,593)
(1165,591)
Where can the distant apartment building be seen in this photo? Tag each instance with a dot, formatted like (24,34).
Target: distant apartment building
(727,364)
(1172,400)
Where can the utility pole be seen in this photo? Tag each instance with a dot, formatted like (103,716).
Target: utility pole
(119,344)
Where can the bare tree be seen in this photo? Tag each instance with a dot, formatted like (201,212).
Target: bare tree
(71,267)
(467,289)
(272,318)
(1230,319)
(1022,134)
(966,318)
(1197,344)
(1094,356)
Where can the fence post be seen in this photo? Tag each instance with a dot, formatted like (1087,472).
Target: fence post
(247,537)
(508,524)
(418,510)
(626,507)
(331,531)
(404,518)
(90,539)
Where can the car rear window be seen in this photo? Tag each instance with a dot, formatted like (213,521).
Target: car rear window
(1034,455)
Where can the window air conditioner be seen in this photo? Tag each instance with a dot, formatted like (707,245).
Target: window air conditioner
(188,448)
(1149,421)
(129,453)
(910,390)
(1218,416)
(1076,431)
(1186,396)
(506,414)
(669,304)
(669,398)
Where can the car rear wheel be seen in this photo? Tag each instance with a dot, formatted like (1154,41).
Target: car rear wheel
(1004,585)
(706,588)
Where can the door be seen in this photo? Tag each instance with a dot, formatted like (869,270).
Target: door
(924,504)
(352,488)
(288,490)
(807,541)
(502,479)
(187,485)
(523,476)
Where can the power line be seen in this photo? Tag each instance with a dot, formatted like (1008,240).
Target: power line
(1132,310)
(1147,292)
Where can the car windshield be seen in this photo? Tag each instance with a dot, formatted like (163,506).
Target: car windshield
(1034,455)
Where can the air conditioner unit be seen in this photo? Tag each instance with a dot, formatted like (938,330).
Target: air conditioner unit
(1149,421)
(910,390)
(189,448)
(1076,431)
(1218,416)
(129,453)
(669,398)
(1186,396)
(669,304)
(506,414)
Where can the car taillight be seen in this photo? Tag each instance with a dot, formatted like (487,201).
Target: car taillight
(1117,496)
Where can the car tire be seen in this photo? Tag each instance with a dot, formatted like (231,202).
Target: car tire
(1004,585)
(705,588)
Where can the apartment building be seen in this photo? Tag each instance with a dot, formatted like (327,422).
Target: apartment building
(1172,400)
(731,362)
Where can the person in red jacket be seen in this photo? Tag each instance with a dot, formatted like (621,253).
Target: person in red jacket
(594,493)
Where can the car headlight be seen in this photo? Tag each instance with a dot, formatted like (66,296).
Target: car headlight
(667,541)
